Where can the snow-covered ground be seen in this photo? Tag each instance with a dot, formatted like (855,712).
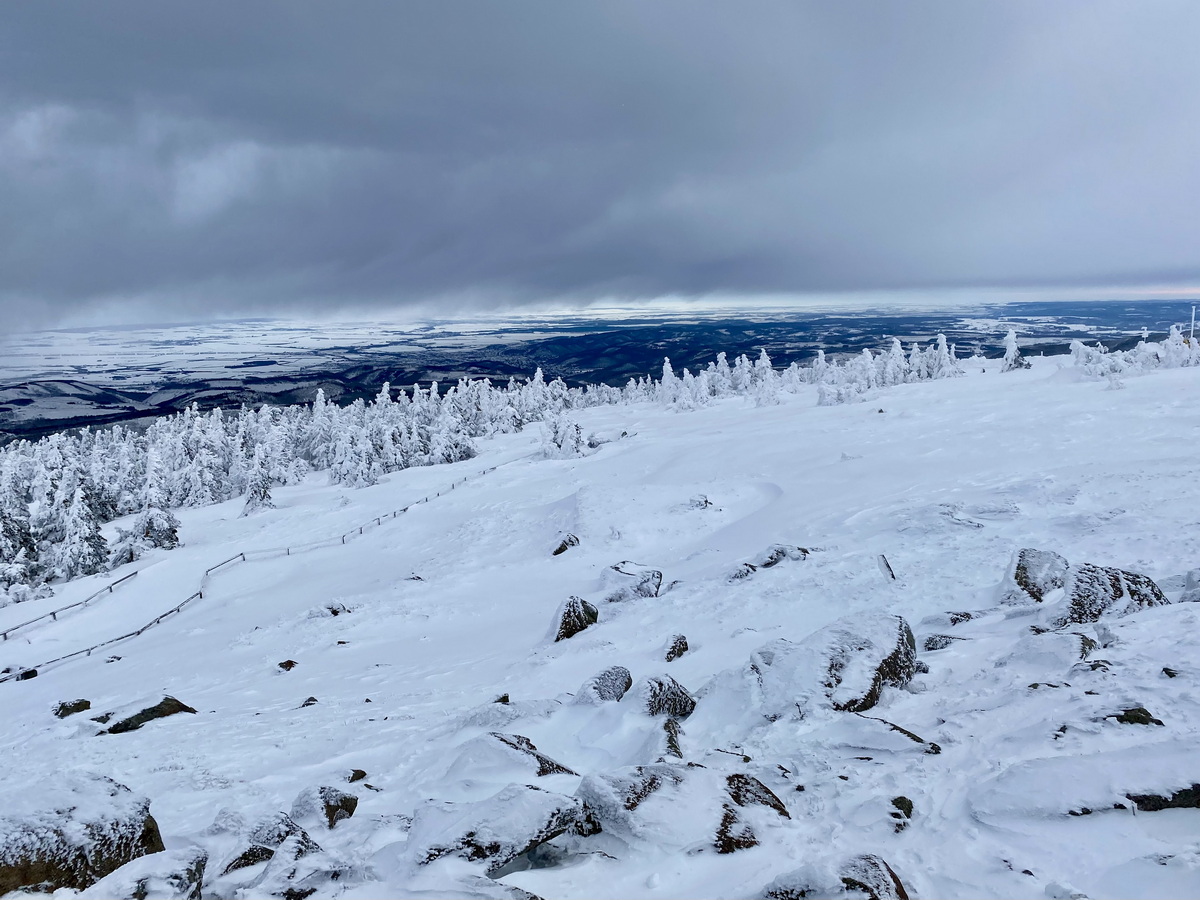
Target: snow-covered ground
(947,480)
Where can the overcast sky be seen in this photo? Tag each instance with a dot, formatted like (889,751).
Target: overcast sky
(166,160)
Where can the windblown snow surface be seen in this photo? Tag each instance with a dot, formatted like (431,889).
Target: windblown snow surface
(948,480)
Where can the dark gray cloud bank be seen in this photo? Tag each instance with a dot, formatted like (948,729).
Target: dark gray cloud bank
(169,160)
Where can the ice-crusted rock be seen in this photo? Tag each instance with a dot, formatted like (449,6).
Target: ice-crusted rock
(612,797)
(573,617)
(676,647)
(734,833)
(261,841)
(500,758)
(524,747)
(565,544)
(1031,575)
(297,869)
(867,875)
(166,875)
(844,666)
(662,695)
(1096,591)
(324,804)
(939,642)
(607,686)
(71,831)
(777,553)
(671,732)
(745,790)
(630,581)
(494,831)
(133,718)
(742,571)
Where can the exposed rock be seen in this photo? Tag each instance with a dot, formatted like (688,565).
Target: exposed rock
(1169,672)
(1138,715)
(356,775)
(72,832)
(311,701)
(337,609)
(574,616)
(26,674)
(777,553)
(1188,798)
(566,544)
(327,803)
(288,664)
(608,686)
(630,581)
(939,642)
(166,875)
(525,747)
(957,618)
(494,831)
(662,695)
(167,706)
(1032,575)
(70,707)
(1095,591)
(677,647)
(734,833)
(745,790)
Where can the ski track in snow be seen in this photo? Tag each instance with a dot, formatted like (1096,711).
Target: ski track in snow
(948,481)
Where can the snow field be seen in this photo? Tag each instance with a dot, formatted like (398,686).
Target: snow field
(948,481)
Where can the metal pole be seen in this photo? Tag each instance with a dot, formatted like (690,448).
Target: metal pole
(1192,333)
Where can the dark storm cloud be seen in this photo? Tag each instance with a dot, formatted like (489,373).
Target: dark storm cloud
(220,157)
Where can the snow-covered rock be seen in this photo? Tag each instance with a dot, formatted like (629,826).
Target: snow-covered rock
(494,831)
(629,581)
(1096,591)
(324,806)
(844,666)
(575,615)
(1032,575)
(71,831)
(606,686)
(166,875)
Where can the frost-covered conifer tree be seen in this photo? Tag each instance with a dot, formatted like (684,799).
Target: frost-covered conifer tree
(1012,354)
(258,489)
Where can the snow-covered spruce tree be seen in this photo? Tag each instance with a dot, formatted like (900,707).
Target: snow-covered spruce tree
(561,438)
(258,488)
(1012,354)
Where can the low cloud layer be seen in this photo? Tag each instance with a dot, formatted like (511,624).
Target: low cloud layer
(169,161)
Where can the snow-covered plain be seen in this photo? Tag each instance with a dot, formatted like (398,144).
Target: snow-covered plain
(946,479)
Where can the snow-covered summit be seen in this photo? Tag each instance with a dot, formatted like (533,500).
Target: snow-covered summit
(799,743)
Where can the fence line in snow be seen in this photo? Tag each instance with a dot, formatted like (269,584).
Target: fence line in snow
(244,556)
(54,613)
